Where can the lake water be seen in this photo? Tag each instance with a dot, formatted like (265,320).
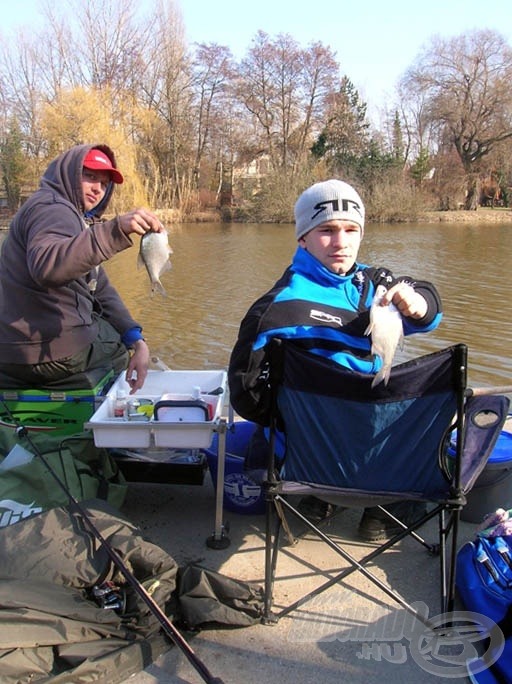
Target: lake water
(220,269)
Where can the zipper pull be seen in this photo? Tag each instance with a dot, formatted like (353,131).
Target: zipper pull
(483,559)
(504,551)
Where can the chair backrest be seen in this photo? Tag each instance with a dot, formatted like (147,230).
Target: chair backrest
(343,433)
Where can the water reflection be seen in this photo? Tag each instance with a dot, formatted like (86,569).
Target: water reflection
(219,269)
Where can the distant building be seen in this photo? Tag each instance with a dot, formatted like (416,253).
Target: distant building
(247,176)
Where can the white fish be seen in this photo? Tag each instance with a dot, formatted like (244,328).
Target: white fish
(386,329)
(154,255)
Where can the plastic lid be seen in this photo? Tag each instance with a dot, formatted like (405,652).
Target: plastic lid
(501,452)
(502,449)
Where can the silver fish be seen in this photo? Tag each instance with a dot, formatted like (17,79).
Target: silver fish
(154,255)
(386,329)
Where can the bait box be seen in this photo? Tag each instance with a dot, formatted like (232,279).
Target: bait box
(180,428)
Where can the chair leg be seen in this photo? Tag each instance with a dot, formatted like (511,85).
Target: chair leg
(276,521)
(449,598)
(272,534)
(412,534)
(292,539)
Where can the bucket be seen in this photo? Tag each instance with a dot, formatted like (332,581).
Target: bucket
(493,488)
(242,494)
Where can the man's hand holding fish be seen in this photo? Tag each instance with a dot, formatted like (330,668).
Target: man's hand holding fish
(140,221)
(409,302)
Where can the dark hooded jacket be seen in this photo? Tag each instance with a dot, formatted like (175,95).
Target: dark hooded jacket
(52,284)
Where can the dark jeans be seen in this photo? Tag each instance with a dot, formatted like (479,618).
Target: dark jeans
(80,371)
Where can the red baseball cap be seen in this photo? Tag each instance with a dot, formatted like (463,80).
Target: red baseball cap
(97,160)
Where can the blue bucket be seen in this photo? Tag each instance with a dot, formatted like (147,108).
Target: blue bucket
(242,494)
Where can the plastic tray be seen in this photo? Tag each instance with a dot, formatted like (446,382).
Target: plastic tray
(118,432)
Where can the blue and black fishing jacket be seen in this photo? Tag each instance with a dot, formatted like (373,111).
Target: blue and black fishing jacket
(320,311)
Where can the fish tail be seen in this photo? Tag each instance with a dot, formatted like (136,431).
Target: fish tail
(157,286)
(382,376)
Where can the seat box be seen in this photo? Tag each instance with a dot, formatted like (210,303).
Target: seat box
(59,412)
(181,428)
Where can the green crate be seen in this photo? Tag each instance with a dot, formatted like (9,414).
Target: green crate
(59,412)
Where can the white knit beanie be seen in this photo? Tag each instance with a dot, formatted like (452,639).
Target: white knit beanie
(325,201)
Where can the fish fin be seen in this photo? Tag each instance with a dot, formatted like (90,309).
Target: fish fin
(166,267)
(382,376)
(376,379)
(158,287)
(369,328)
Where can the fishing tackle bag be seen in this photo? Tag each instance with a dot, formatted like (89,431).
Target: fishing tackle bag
(54,629)
(86,471)
(484,584)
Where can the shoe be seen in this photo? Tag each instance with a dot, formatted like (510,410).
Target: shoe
(375,526)
(315,509)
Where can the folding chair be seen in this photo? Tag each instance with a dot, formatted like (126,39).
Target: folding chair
(424,437)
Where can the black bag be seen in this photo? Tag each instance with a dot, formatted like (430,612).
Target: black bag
(207,598)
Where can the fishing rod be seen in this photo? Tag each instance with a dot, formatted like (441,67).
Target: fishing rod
(154,608)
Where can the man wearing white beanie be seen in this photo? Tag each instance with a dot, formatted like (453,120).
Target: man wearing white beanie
(327,201)
(322,302)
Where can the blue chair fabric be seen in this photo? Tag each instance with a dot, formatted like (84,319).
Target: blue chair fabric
(421,437)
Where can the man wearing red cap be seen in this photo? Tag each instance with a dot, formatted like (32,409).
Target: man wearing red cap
(60,317)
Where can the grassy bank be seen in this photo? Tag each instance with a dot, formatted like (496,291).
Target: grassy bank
(481,215)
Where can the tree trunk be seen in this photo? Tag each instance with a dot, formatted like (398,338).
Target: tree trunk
(472,194)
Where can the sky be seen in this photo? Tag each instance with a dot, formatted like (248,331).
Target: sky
(375,41)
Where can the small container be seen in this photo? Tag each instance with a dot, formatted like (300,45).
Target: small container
(132,408)
(120,404)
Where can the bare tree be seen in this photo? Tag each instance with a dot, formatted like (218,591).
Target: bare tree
(213,70)
(257,90)
(463,84)
(319,78)
(20,75)
(166,89)
(285,87)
